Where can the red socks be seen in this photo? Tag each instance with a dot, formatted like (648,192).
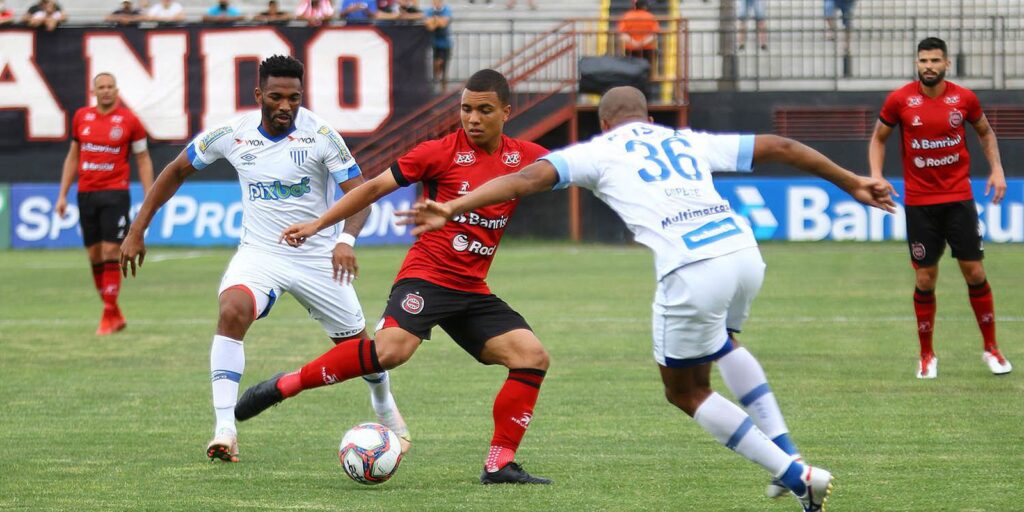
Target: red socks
(924,308)
(513,410)
(97,277)
(348,359)
(984,312)
(111,286)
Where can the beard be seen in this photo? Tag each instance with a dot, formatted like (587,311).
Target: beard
(930,82)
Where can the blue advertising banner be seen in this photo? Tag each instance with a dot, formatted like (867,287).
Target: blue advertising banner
(200,214)
(811,209)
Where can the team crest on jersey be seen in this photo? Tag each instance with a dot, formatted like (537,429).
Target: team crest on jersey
(955,118)
(412,304)
(298,155)
(511,159)
(917,251)
(465,158)
(211,137)
(117,119)
(89,116)
(116,133)
(914,101)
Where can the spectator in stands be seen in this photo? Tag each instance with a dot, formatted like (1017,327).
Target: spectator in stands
(845,7)
(746,8)
(167,11)
(358,12)
(6,15)
(638,32)
(399,10)
(128,14)
(531,3)
(223,12)
(488,2)
(438,21)
(315,12)
(46,13)
(273,14)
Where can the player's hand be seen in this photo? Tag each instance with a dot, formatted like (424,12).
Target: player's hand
(62,206)
(131,248)
(997,184)
(875,192)
(345,267)
(427,215)
(297,234)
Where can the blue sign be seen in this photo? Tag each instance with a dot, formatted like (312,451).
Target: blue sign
(199,214)
(812,209)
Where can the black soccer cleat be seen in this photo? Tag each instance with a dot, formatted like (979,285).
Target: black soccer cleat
(259,398)
(512,473)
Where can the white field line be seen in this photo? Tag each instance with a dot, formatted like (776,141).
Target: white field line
(156,258)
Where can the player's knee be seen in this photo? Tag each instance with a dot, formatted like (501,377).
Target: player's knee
(234,318)
(391,354)
(536,356)
(687,400)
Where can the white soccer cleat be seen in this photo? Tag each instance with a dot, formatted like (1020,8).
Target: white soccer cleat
(775,489)
(996,362)
(928,368)
(223,446)
(393,420)
(819,487)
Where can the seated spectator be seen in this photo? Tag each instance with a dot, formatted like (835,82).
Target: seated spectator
(223,12)
(638,32)
(531,3)
(408,10)
(6,15)
(128,14)
(167,11)
(46,13)
(745,9)
(356,12)
(273,14)
(314,12)
(398,10)
(845,7)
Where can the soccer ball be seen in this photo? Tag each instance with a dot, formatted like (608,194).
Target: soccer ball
(370,453)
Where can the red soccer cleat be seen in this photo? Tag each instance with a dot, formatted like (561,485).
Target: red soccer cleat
(111,323)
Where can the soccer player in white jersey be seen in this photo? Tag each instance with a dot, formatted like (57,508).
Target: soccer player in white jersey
(709,269)
(288,161)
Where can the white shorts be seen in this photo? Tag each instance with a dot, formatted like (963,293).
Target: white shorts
(267,276)
(696,306)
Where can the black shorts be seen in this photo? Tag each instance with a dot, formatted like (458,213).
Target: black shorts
(469,318)
(104,215)
(442,54)
(930,227)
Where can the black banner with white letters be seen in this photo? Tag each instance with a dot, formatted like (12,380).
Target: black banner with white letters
(180,80)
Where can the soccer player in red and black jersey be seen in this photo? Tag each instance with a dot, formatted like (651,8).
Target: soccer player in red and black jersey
(441,281)
(102,138)
(931,113)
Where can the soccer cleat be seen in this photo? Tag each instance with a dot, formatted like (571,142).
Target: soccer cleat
(392,419)
(512,473)
(996,362)
(259,398)
(775,489)
(929,367)
(819,486)
(223,446)
(111,323)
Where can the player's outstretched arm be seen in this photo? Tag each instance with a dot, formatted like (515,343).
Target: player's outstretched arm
(343,257)
(349,205)
(134,247)
(871,191)
(431,215)
(67,176)
(997,178)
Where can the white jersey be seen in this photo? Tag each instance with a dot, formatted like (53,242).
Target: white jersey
(658,180)
(286,179)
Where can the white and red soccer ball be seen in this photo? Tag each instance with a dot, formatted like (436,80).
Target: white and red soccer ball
(370,453)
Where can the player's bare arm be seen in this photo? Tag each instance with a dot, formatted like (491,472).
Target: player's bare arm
(343,258)
(133,248)
(67,176)
(876,148)
(431,215)
(874,192)
(350,204)
(145,165)
(996,179)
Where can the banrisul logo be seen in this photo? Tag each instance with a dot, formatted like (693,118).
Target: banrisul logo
(276,191)
(753,207)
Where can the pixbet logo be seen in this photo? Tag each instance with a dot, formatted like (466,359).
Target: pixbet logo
(756,212)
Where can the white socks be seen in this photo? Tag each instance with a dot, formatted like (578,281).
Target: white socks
(733,428)
(227,362)
(380,392)
(744,376)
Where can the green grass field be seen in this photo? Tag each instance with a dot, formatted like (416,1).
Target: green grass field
(121,422)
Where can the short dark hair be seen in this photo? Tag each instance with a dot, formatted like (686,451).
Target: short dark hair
(640,4)
(489,80)
(280,65)
(932,43)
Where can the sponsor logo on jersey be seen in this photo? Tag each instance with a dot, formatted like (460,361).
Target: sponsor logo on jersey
(412,304)
(117,119)
(101,148)
(917,251)
(915,101)
(90,116)
(338,143)
(922,162)
(947,142)
(304,140)
(711,232)
(298,155)
(212,137)
(248,159)
(462,243)
(277,191)
(916,121)
(956,118)
(256,143)
(116,133)
(465,158)
(464,188)
(86,130)
(686,215)
(511,158)
(475,219)
(952,100)
(93,166)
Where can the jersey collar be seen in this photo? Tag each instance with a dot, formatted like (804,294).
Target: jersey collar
(271,138)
